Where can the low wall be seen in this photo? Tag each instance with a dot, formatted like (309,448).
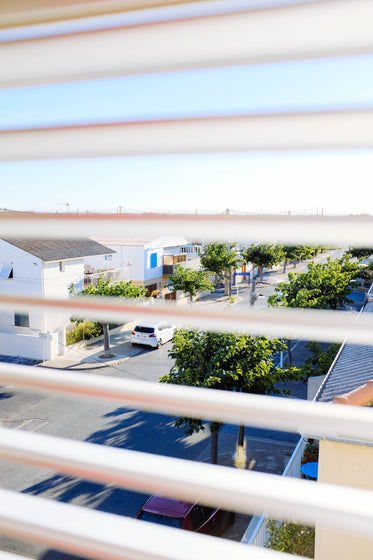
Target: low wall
(25,346)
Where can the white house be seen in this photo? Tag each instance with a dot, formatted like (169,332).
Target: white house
(149,260)
(43,268)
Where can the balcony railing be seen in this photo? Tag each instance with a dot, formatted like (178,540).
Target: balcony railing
(113,275)
(191,262)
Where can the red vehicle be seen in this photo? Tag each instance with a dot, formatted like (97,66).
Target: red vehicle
(185,515)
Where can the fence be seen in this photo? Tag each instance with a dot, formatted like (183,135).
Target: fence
(257,534)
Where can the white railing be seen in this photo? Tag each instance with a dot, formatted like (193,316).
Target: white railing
(257,533)
(113,275)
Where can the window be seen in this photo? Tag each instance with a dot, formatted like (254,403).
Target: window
(153,260)
(62,266)
(6,271)
(21,320)
(108,257)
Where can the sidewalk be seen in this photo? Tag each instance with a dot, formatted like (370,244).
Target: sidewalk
(91,354)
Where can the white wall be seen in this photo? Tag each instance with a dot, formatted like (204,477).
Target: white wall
(156,272)
(131,256)
(25,345)
(104,262)
(56,284)
(45,336)
(26,281)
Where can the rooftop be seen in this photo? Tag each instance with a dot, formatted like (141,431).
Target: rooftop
(59,249)
(353,368)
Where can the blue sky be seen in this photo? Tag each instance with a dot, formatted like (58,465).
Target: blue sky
(337,182)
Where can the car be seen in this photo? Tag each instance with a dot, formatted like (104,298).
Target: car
(186,515)
(152,334)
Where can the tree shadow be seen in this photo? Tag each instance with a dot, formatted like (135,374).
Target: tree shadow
(126,429)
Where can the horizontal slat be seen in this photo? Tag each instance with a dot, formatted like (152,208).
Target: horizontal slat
(18,12)
(111,537)
(292,230)
(318,420)
(317,29)
(281,132)
(304,324)
(233,489)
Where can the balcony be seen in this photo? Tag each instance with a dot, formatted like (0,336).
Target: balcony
(113,275)
(185,260)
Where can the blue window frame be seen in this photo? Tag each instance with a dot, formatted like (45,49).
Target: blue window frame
(153,260)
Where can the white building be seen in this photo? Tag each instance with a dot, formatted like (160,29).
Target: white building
(43,268)
(149,261)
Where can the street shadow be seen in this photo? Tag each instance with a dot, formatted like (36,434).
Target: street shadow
(5,395)
(125,429)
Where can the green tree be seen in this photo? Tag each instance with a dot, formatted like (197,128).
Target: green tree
(290,254)
(360,252)
(263,255)
(190,281)
(320,360)
(229,362)
(118,289)
(221,259)
(323,286)
(298,252)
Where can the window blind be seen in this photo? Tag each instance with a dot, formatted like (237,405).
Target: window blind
(316,29)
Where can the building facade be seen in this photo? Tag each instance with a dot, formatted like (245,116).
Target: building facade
(40,268)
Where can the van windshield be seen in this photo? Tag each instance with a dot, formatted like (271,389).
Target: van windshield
(148,330)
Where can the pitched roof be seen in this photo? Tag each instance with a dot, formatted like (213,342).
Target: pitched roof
(59,249)
(352,369)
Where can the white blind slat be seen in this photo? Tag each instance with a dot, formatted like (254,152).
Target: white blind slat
(104,536)
(282,132)
(344,231)
(311,30)
(304,324)
(306,418)
(33,12)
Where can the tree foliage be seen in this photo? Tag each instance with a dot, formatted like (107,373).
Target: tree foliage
(291,538)
(263,255)
(118,289)
(190,281)
(361,252)
(221,260)
(320,360)
(323,286)
(229,362)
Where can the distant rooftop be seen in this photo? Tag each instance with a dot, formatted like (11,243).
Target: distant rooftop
(352,369)
(59,249)
(149,242)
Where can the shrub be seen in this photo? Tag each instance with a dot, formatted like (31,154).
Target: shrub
(83,330)
(291,538)
(311,453)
